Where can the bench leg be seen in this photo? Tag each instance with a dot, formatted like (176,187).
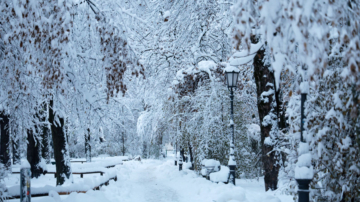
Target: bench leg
(81,175)
(55,175)
(101,174)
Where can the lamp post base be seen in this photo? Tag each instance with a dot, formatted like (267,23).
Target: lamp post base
(25,191)
(232,174)
(303,191)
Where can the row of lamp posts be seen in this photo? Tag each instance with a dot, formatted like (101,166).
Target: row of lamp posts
(231,81)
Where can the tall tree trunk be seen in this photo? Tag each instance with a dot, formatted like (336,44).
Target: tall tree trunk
(61,155)
(191,156)
(4,152)
(45,149)
(270,108)
(5,140)
(34,155)
(15,151)
(123,143)
(45,134)
(87,146)
(182,153)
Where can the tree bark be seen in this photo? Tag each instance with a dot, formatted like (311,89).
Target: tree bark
(271,106)
(191,156)
(182,153)
(33,154)
(61,155)
(15,151)
(123,149)
(5,140)
(45,149)
(87,146)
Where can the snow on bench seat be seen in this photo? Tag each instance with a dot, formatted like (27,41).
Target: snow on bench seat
(220,176)
(209,166)
(80,186)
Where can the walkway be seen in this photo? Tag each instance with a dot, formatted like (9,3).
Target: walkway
(160,181)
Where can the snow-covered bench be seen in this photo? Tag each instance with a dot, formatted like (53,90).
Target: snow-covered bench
(221,176)
(79,187)
(209,166)
(213,171)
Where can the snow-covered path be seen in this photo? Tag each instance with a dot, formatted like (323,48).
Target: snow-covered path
(140,182)
(160,181)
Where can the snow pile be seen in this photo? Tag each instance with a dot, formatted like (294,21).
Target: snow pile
(186,165)
(90,196)
(220,176)
(230,196)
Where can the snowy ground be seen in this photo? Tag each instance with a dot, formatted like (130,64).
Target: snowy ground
(160,181)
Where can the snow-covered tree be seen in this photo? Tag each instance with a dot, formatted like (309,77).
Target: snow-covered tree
(321,37)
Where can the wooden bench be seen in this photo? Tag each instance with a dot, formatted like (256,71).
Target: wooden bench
(105,183)
(209,169)
(42,173)
(88,172)
(78,161)
(111,166)
(71,161)
(67,193)
(74,173)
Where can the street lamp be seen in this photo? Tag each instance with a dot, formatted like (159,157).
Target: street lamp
(232,74)
(303,174)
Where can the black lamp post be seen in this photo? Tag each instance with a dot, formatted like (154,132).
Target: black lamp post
(304,183)
(232,75)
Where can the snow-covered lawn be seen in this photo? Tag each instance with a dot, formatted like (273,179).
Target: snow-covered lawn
(160,181)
